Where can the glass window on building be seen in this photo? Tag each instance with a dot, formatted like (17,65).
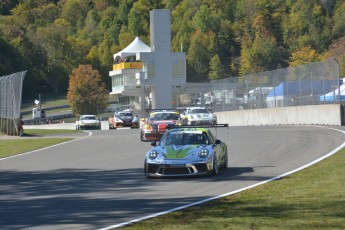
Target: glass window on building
(117,81)
(179,69)
(150,70)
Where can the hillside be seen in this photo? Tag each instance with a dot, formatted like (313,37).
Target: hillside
(221,38)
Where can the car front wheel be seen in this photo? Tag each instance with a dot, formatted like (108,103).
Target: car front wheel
(142,135)
(225,166)
(215,167)
(145,170)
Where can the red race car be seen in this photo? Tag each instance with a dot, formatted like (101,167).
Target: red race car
(153,127)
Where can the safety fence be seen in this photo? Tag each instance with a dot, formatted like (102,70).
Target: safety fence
(10,103)
(311,84)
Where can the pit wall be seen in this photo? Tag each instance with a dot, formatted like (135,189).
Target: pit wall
(330,114)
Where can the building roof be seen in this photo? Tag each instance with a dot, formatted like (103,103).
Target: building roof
(137,46)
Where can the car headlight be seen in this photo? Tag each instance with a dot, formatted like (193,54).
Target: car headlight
(179,123)
(203,153)
(147,126)
(153,154)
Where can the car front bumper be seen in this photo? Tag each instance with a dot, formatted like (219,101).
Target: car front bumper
(178,169)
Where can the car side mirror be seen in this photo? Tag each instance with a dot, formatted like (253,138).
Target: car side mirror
(217,142)
(153,143)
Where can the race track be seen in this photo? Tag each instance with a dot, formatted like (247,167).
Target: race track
(98,181)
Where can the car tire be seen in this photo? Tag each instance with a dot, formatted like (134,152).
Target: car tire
(215,167)
(145,171)
(142,135)
(225,166)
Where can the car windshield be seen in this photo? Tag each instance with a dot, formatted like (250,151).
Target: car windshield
(125,114)
(165,116)
(199,111)
(89,118)
(186,138)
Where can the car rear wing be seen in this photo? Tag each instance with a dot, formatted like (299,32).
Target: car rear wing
(199,126)
(160,110)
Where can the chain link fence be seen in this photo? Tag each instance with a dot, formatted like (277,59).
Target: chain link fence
(10,102)
(311,84)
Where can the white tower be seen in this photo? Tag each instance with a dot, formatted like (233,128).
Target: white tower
(157,72)
(164,68)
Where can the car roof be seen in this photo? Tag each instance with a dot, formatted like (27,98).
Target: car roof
(131,112)
(164,111)
(88,115)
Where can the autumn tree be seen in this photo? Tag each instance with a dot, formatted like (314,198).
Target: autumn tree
(216,68)
(87,94)
(303,56)
(262,53)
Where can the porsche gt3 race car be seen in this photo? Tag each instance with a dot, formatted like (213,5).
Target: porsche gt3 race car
(153,127)
(115,122)
(88,121)
(186,151)
(198,116)
(124,118)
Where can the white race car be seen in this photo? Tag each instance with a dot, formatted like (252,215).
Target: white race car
(198,116)
(88,121)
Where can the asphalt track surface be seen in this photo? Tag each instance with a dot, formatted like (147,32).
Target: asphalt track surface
(98,181)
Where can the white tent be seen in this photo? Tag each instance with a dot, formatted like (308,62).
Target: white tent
(137,46)
(334,95)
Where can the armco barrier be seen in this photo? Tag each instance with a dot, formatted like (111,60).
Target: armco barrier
(329,114)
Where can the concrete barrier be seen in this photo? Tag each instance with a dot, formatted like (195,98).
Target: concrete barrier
(329,114)
(69,126)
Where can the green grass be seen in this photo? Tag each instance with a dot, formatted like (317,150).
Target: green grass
(313,198)
(22,145)
(17,146)
(50,102)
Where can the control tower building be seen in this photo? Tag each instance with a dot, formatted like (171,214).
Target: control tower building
(146,77)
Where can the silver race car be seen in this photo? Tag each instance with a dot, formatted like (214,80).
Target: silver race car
(186,151)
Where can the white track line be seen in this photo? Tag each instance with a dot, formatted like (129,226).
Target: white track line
(230,193)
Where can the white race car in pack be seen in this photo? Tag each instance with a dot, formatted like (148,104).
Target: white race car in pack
(198,116)
(88,122)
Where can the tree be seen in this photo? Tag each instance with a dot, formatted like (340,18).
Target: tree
(262,54)
(304,56)
(339,23)
(216,68)
(337,50)
(87,94)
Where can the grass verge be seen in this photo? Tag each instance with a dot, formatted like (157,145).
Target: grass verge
(18,146)
(313,198)
(22,145)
